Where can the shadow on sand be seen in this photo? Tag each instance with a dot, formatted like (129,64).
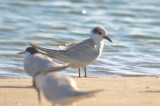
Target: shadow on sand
(153,91)
(17,87)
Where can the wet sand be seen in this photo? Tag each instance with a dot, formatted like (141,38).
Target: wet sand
(123,91)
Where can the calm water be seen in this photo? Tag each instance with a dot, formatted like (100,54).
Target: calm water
(133,25)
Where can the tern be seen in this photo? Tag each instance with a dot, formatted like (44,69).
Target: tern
(81,54)
(37,62)
(59,89)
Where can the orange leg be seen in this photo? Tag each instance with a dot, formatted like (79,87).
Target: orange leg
(79,69)
(31,86)
(85,70)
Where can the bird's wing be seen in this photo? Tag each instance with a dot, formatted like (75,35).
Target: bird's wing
(73,52)
(58,68)
(82,46)
(51,52)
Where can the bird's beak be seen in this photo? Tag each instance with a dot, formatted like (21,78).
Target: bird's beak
(106,37)
(22,52)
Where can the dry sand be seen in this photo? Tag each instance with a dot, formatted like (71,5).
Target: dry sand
(124,91)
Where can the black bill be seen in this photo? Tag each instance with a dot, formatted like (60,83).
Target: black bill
(106,37)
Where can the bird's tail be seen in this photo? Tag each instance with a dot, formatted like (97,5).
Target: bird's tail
(91,93)
(83,94)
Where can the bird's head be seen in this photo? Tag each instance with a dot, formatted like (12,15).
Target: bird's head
(30,50)
(99,33)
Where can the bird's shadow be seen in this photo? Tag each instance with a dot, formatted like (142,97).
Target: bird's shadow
(24,87)
(152,91)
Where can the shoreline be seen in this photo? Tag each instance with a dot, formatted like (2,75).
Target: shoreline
(118,91)
(74,76)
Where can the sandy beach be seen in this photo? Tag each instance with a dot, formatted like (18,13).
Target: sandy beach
(122,91)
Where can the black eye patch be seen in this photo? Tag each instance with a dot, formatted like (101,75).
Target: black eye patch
(97,31)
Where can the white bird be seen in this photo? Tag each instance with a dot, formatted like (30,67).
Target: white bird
(59,89)
(35,62)
(81,54)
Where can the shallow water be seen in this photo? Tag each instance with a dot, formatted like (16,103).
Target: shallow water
(132,25)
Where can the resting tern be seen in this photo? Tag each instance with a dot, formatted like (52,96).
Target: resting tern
(59,89)
(37,62)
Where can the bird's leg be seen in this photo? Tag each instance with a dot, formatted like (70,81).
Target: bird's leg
(39,96)
(79,69)
(85,70)
(31,86)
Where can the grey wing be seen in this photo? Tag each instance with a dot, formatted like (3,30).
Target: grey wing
(84,45)
(51,52)
(82,50)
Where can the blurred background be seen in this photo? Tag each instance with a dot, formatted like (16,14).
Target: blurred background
(133,26)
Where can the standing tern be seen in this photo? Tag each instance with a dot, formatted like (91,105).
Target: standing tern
(83,53)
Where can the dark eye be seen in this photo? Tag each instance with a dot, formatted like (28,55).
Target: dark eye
(97,31)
